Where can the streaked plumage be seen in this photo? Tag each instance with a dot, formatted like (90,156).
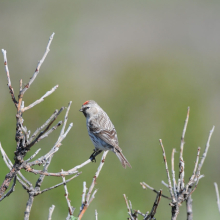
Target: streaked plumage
(101,130)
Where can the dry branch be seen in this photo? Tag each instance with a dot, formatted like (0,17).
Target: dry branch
(181,192)
(51,209)
(217,196)
(133,215)
(88,198)
(21,132)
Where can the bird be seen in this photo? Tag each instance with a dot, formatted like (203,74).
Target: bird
(101,131)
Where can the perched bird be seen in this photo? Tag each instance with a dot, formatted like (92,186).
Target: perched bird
(101,131)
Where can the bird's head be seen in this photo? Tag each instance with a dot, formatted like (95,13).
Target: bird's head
(89,108)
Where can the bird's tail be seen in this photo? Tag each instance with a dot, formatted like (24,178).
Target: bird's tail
(122,158)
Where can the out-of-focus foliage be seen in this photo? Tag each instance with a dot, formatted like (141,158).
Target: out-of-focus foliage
(144,62)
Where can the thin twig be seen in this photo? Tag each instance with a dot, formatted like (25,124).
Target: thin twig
(96,215)
(66,196)
(58,143)
(87,201)
(38,66)
(181,161)
(49,132)
(60,184)
(64,173)
(44,125)
(84,193)
(44,131)
(145,186)
(96,175)
(155,206)
(65,120)
(192,178)
(217,196)
(165,184)
(173,173)
(203,159)
(11,90)
(34,155)
(51,209)
(205,152)
(128,207)
(40,100)
(167,170)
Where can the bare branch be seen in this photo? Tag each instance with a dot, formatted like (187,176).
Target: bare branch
(51,209)
(96,215)
(189,210)
(62,134)
(34,155)
(205,152)
(28,206)
(10,165)
(173,174)
(11,90)
(181,161)
(87,201)
(96,175)
(59,174)
(20,85)
(198,176)
(217,196)
(128,207)
(165,184)
(49,132)
(44,131)
(65,120)
(84,193)
(192,178)
(155,206)
(60,184)
(66,195)
(45,124)
(145,186)
(40,100)
(167,170)
(10,191)
(38,66)
(93,196)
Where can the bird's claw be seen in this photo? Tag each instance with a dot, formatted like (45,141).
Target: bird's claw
(92,158)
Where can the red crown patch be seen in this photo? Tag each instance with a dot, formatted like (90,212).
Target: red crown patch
(85,102)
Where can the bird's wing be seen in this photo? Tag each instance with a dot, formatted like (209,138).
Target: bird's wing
(104,129)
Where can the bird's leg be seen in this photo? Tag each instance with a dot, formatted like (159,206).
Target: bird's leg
(94,154)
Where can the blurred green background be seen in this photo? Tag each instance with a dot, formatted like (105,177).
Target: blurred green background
(144,62)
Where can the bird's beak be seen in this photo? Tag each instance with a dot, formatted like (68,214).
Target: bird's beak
(81,110)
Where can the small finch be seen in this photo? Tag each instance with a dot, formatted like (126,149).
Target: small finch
(101,131)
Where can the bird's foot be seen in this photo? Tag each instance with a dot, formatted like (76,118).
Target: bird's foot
(94,154)
(92,158)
